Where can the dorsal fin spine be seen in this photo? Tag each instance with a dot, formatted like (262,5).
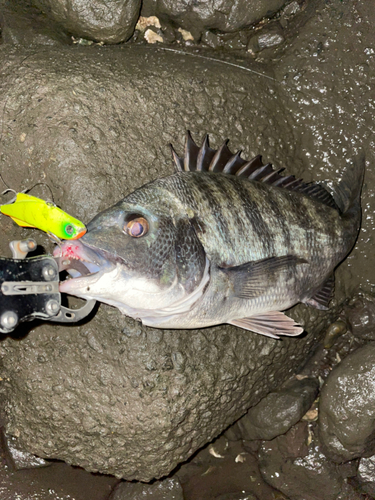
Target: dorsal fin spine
(222,160)
(178,162)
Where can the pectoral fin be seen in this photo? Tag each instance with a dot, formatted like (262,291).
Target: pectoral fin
(272,324)
(253,279)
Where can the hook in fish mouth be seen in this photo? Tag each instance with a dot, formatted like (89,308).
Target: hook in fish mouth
(74,266)
(83,265)
(77,260)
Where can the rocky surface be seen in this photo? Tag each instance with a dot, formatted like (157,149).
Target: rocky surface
(100,20)
(168,489)
(17,458)
(267,38)
(131,401)
(57,482)
(346,409)
(24,477)
(295,465)
(165,393)
(366,475)
(25,25)
(81,118)
(225,470)
(361,317)
(199,16)
(279,410)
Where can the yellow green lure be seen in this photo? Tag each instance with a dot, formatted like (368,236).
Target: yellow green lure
(29,211)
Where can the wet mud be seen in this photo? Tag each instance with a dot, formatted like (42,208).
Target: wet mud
(94,122)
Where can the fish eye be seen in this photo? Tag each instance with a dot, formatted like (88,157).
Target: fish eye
(69,229)
(136,227)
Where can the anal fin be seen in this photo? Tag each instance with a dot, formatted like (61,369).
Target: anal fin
(272,324)
(323,296)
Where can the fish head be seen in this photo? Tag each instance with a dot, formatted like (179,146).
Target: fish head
(142,253)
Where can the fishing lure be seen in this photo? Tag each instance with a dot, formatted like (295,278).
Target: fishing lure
(29,211)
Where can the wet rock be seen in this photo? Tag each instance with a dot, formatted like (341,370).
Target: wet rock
(99,20)
(366,474)
(267,38)
(295,465)
(291,9)
(111,395)
(361,317)
(18,458)
(211,40)
(336,36)
(279,410)
(231,474)
(233,433)
(56,482)
(243,495)
(346,408)
(22,24)
(270,39)
(226,15)
(334,331)
(168,489)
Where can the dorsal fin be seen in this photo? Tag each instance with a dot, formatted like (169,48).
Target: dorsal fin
(222,160)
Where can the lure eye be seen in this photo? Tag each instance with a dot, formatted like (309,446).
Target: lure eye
(137,227)
(69,229)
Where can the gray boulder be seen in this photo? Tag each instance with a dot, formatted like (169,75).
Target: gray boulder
(279,410)
(366,475)
(100,20)
(23,24)
(347,407)
(224,15)
(295,465)
(110,395)
(361,317)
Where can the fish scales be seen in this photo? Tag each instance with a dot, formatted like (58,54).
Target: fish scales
(199,248)
(259,234)
(218,208)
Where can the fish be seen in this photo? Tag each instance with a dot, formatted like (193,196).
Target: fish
(30,211)
(221,240)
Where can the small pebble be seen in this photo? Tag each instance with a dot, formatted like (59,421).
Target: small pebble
(153,37)
(144,22)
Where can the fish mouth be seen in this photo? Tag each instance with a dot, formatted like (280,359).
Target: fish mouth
(84,265)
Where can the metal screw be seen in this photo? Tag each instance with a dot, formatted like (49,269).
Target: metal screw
(8,320)
(52,307)
(48,273)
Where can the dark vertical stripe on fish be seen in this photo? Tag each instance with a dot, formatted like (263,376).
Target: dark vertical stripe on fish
(273,200)
(229,193)
(254,216)
(215,204)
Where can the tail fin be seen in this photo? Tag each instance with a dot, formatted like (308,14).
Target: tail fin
(347,193)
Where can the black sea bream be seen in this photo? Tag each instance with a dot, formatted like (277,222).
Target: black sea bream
(223,240)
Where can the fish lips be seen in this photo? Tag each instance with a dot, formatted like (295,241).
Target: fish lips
(97,262)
